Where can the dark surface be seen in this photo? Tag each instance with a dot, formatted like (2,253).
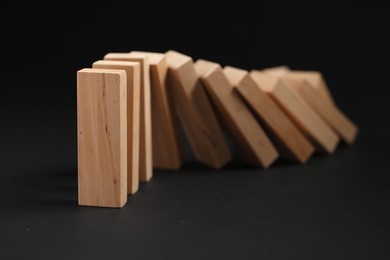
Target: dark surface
(334,207)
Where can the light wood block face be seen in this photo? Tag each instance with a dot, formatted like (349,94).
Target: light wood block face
(146,163)
(133,73)
(337,120)
(195,112)
(167,151)
(248,135)
(315,79)
(277,71)
(102,137)
(305,118)
(291,143)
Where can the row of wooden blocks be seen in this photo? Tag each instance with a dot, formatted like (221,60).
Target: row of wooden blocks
(131,105)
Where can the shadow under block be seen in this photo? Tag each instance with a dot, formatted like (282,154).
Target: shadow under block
(330,113)
(308,121)
(145,143)
(133,116)
(167,151)
(290,142)
(248,135)
(102,137)
(195,112)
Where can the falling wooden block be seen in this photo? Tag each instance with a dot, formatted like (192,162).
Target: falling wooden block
(165,134)
(336,119)
(314,128)
(315,79)
(133,73)
(195,112)
(145,156)
(290,141)
(102,137)
(248,135)
(277,71)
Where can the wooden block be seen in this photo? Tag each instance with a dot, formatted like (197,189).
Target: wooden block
(195,112)
(167,151)
(315,79)
(133,73)
(277,71)
(308,121)
(337,120)
(102,137)
(248,135)
(290,141)
(145,163)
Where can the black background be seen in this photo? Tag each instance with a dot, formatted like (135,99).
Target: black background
(333,207)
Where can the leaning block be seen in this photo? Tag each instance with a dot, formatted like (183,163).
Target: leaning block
(195,112)
(330,113)
(133,73)
(308,121)
(145,164)
(277,71)
(289,140)
(102,137)
(165,133)
(248,135)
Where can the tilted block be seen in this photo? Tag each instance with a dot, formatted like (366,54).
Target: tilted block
(133,73)
(248,135)
(102,137)
(308,121)
(290,141)
(195,112)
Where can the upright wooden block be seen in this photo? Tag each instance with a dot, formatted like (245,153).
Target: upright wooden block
(289,140)
(102,137)
(330,113)
(314,128)
(195,112)
(248,135)
(146,163)
(167,152)
(133,73)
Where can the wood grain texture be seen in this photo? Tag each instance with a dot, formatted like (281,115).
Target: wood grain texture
(133,73)
(146,153)
(331,114)
(102,137)
(195,112)
(167,151)
(248,135)
(305,118)
(290,142)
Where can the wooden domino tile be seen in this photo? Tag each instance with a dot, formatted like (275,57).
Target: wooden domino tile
(308,121)
(291,143)
(146,163)
(330,113)
(133,116)
(195,112)
(102,137)
(248,135)
(165,133)
(277,71)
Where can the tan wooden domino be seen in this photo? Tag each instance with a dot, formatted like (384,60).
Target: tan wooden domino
(102,137)
(308,121)
(248,135)
(165,132)
(146,156)
(291,143)
(195,112)
(133,73)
